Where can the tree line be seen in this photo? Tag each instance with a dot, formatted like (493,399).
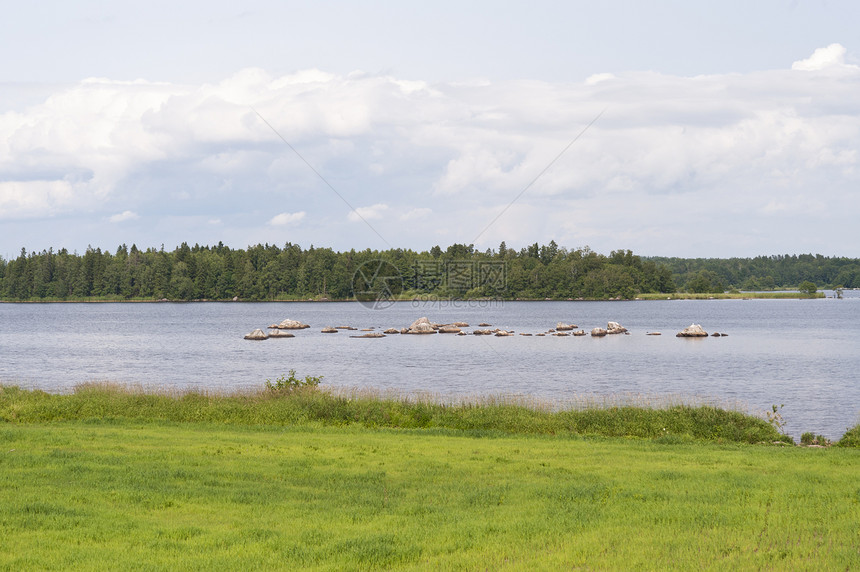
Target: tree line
(290,272)
(763,272)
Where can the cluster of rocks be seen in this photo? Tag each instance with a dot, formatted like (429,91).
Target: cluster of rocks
(424,326)
(289,325)
(611,329)
(696,331)
(276,330)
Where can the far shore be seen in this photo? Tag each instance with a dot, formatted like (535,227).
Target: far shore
(775,295)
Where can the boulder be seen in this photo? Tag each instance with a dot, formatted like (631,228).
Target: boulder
(579,333)
(460,324)
(345,328)
(422,320)
(524,334)
(257,334)
(654,334)
(422,328)
(615,328)
(502,333)
(540,335)
(449,330)
(391,331)
(483,332)
(598,332)
(561,334)
(562,327)
(329,330)
(485,325)
(462,334)
(280,334)
(370,335)
(692,331)
(292,325)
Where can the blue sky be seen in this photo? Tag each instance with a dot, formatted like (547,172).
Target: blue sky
(724,128)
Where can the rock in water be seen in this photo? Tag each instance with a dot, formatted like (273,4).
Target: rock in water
(280,334)
(692,331)
(598,332)
(257,334)
(615,328)
(422,320)
(292,325)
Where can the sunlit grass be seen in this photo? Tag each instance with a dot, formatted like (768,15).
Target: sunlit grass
(135,494)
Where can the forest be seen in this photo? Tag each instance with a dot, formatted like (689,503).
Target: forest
(290,272)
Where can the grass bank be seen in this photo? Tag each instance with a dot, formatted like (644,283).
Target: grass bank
(153,494)
(311,405)
(777,295)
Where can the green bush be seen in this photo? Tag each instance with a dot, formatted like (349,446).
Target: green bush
(292,383)
(851,438)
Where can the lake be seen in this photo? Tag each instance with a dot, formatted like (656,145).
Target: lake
(801,353)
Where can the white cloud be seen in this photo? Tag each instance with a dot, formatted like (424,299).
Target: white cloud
(285,219)
(372,212)
(27,199)
(598,77)
(679,150)
(123,216)
(417,214)
(833,56)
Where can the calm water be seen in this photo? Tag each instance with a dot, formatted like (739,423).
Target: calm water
(803,353)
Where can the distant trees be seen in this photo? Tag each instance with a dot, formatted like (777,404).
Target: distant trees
(765,272)
(808,288)
(270,272)
(289,272)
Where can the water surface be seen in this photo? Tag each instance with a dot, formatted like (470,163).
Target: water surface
(801,353)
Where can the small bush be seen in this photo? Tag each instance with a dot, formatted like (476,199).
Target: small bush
(851,438)
(292,383)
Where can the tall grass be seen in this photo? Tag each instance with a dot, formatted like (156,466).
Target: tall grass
(671,418)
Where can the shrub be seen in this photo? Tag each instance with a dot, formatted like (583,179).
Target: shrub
(292,383)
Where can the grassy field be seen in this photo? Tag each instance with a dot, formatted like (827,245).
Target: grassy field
(775,295)
(99,489)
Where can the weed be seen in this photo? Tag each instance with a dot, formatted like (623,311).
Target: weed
(775,417)
(293,383)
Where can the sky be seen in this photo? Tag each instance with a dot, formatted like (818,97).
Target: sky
(670,128)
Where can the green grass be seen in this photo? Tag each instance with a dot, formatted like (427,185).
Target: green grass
(160,495)
(310,405)
(729,296)
(110,478)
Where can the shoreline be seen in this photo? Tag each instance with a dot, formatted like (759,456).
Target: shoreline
(776,295)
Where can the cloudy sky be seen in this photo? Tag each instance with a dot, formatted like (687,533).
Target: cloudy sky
(670,128)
